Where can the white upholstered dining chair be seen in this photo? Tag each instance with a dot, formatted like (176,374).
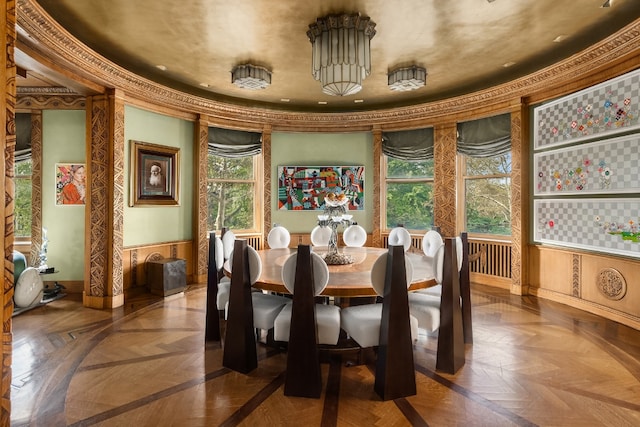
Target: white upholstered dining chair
(266,306)
(227,241)
(431,244)
(362,322)
(320,236)
(425,304)
(278,237)
(354,236)
(400,236)
(327,316)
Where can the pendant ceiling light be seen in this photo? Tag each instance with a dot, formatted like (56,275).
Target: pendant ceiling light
(408,78)
(249,76)
(341,50)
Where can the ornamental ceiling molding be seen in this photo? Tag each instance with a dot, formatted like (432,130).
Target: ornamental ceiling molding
(46,101)
(51,40)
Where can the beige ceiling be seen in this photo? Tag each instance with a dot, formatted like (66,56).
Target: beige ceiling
(463,44)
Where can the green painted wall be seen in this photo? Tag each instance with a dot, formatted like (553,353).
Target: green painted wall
(154,224)
(312,149)
(63,141)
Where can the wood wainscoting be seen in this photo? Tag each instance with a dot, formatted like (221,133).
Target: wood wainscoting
(597,283)
(135,258)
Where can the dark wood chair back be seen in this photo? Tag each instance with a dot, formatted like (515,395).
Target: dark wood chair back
(395,370)
(450,353)
(465,290)
(303,376)
(240,353)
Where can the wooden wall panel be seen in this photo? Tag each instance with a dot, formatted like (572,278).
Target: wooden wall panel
(577,278)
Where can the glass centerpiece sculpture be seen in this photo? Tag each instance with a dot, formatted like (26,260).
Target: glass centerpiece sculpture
(335,214)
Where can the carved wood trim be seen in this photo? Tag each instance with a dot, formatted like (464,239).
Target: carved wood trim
(97,204)
(50,102)
(444,192)
(519,205)
(115,215)
(36,185)
(47,35)
(7,116)
(201,242)
(377,192)
(266,180)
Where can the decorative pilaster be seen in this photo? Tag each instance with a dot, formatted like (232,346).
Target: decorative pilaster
(36,186)
(444,193)
(377,197)
(7,116)
(105,202)
(519,204)
(266,181)
(117,147)
(201,246)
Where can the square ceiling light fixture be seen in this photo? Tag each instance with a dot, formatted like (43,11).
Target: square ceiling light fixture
(341,52)
(249,76)
(408,78)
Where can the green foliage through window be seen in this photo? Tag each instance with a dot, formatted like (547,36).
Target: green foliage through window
(488,195)
(409,187)
(230,193)
(22,208)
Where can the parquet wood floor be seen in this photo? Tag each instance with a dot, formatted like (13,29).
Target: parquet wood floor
(533,362)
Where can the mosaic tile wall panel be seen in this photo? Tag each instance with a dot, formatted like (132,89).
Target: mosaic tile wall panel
(604,167)
(605,109)
(609,225)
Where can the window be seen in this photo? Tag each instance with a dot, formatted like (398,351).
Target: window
(409,193)
(487,193)
(22,210)
(231,193)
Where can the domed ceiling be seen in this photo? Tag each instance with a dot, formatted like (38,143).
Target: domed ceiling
(464,45)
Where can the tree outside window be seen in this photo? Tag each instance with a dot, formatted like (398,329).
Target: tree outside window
(409,193)
(22,210)
(231,184)
(487,192)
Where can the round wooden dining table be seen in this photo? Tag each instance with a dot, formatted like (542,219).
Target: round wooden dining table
(350,280)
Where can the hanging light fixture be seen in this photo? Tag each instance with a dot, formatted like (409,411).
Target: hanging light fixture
(408,78)
(249,76)
(341,51)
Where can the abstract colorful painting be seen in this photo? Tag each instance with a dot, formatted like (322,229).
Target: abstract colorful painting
(304,188)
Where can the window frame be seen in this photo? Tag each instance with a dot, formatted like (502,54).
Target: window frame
(258,196)
(461,184)
(384,181)
(25,177)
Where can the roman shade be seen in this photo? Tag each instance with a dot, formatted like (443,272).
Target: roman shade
(234,143)
(486,137)
(416,144)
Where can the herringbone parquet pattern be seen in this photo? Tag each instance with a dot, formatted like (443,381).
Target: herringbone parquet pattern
(533,362)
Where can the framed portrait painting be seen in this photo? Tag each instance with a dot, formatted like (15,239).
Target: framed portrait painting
(154,174)
(70,184)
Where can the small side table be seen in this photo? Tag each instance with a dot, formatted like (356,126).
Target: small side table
(50,292)
(167,276)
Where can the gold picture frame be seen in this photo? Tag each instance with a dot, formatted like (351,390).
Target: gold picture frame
(155,174)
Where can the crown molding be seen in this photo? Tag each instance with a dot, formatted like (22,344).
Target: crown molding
(51,40)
